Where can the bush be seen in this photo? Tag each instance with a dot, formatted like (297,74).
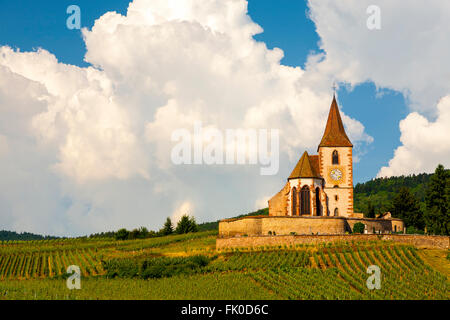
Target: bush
(413,230)
(359,227)
(154,267)
(121,234)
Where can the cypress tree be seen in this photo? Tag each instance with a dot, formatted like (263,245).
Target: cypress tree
(186,225)
(437,199)
(406,207)
(168,227)
(370,210)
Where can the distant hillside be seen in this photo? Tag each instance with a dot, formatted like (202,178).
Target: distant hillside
(380,192)
(215,225)
(24,236)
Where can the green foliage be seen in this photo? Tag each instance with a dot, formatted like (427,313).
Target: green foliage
(437,199)
(334,271)
(24,236)
(370,210)
(215,225)
(380,192)
(121,234)
(359,227)
(406,207)
(186,224)
(413,230)
(167,228)
(140,233)
(161,267)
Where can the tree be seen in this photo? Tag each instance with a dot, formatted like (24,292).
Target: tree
(167,228)
(121,234)
(359,227)
(370,210)
(186,224)
(143,233)
(133,234)
(406,207)
(437,198)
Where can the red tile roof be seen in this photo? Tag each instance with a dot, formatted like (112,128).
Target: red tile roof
(306,168)
(334,135)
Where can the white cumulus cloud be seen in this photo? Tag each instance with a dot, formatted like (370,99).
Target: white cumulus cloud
(409,54)
(89,148)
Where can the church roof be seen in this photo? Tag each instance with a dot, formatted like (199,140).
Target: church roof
(314,160)
(306,168)
(334,135)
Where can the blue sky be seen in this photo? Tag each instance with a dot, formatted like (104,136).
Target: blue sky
(31,24)
(99,142)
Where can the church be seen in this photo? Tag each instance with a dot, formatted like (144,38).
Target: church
(317,197)
(321,184)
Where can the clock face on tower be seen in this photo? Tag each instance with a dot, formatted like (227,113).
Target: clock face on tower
(336,174)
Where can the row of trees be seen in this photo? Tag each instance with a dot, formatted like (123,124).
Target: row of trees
(185,225)
(434,217)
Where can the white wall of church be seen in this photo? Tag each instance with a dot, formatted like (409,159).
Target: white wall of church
(298,184)
(342,189)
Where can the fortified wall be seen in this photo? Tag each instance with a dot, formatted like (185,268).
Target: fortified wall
(304,225)
(419,241)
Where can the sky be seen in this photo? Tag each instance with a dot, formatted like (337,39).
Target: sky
(87,115)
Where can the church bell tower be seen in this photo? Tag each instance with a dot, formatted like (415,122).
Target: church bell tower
(336,165)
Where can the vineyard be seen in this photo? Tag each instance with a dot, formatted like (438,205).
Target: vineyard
(36,270)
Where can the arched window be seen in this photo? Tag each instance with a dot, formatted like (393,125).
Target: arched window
(294,201)
(335,157)
(336,212)
(318,204)
(305,206)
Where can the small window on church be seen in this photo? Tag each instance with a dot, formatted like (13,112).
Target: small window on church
(336,198)
(335,157)
(294,201)
(336,212)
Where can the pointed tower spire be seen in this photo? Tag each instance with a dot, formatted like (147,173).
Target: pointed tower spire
(334,135)
(304,168)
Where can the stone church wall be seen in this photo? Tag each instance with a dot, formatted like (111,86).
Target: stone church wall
(286,225)
(278,203)
(420,241)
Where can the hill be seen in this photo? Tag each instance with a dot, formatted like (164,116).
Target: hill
(215,225)
(189,267)
(379,192)
(24,236)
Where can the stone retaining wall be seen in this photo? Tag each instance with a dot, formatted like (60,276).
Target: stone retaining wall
(420,241)
(303,225)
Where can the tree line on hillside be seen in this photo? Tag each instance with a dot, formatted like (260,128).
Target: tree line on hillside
(24,236)
(186,224)
(421,201)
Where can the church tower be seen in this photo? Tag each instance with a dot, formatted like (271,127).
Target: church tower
(336,165)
